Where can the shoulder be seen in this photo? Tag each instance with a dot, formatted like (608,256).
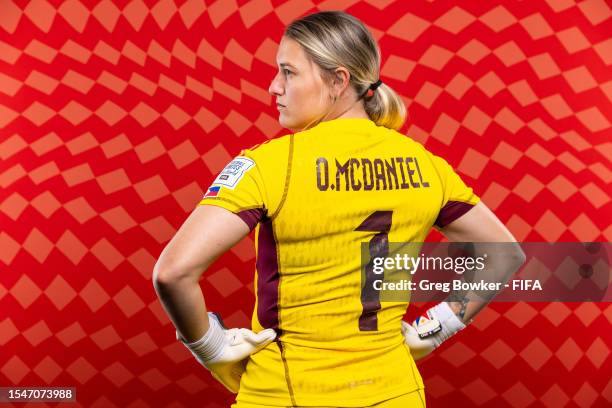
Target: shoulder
(440,165)
(397,138)
(269,150)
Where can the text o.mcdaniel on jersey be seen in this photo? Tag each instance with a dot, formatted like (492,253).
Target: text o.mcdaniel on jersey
(395,173)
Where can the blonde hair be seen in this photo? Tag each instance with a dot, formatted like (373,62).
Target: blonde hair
(335,39)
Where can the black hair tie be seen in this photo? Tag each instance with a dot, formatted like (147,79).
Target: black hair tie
(369,92)
(375,85)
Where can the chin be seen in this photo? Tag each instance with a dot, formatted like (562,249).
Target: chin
(287,123)
(292,123)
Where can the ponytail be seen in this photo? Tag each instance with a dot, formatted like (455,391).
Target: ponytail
(385,107)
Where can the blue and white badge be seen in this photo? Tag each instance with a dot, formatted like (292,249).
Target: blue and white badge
(425,326)
(233,172)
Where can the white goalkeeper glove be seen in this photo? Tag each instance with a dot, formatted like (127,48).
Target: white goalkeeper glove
(428,331)
(225,352)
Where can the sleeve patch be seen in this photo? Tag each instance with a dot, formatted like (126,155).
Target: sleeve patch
(233,172)
(213,191)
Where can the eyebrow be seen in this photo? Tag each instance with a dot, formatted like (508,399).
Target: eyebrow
(286,64)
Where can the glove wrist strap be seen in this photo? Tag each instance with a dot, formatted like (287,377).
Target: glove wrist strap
(211,345)
(449,321)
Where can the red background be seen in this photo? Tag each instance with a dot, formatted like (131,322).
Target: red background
(115,116)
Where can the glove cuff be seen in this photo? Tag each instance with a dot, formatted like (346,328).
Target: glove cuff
(448,320)
(211,345)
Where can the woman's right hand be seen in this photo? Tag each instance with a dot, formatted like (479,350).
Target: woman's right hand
(430,330)
(419,348)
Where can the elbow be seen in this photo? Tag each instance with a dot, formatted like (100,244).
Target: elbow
(173,271)
(517,257)
(167,276)
(512,258)
(162,278)
(520,256)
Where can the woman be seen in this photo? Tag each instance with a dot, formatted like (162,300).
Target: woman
(345,176)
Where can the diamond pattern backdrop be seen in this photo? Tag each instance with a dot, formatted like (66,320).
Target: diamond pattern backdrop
(115,116)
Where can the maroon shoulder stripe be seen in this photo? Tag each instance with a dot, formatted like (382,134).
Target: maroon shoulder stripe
(451,211)
(251,217)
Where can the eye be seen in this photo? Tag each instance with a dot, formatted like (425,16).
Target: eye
(286,72)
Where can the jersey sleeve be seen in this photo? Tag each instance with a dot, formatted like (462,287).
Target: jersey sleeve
(458,197)
(239,188)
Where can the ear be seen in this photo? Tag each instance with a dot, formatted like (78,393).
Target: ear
(341,80)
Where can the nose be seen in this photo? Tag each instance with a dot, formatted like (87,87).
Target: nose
(276,86)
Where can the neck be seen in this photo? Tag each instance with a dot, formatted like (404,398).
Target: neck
(352,110)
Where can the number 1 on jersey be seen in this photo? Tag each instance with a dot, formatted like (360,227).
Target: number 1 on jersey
(378,221)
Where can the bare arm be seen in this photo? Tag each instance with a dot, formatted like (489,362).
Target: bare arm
(481,225)
(207,233)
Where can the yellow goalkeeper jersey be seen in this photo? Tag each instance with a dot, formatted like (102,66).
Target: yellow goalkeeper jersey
(314,197)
